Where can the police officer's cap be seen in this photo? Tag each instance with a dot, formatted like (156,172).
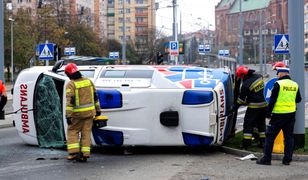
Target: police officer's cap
(282,69)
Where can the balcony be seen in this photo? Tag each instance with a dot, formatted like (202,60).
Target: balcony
(141,33)
(143,14)
(141,23)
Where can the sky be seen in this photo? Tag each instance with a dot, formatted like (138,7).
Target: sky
(193,12)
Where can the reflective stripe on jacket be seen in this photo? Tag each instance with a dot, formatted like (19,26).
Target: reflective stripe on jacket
(251,93)
(285,102)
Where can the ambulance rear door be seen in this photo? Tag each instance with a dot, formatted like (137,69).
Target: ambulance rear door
(49,105)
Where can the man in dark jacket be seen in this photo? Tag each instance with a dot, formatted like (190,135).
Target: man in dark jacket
(251,94)
(281,113)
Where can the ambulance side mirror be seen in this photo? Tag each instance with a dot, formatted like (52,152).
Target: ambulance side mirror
(57,66)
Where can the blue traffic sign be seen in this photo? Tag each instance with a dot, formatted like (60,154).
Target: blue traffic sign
(70,51)
(268,89)
(46,51)
(114,55)
(204,48)
(281,44)
(174,48)
(224,52)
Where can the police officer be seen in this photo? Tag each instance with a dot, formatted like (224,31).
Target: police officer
(279,65)
(281,114)
(3,98)
(251,94)
(81,107)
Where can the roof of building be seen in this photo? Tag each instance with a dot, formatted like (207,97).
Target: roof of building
(249,5)
(223,3)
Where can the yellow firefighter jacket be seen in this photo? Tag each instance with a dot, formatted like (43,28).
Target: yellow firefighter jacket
(81,99)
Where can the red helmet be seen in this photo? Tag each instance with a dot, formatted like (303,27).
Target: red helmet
(241,71)
(70,68)
(279,65)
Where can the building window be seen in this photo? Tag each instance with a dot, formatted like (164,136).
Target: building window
(306,26)
(120,20)
(128,19)
(139,1)
(127,10)
(121,28)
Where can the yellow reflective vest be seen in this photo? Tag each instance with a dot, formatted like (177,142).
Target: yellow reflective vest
(80,100)
(286,100)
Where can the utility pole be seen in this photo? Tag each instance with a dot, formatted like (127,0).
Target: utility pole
(1,43)
(260,41)
(175,26)
(124,36)
(241,36)
(264,60)
(12,47)
(209,42)
(296,46)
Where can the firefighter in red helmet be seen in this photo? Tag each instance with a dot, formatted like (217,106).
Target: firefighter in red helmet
(81,107)
(251,94)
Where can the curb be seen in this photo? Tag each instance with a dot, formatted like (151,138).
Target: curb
(6,125)
(242,153)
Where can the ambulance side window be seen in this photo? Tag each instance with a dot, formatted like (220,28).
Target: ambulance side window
(127,74)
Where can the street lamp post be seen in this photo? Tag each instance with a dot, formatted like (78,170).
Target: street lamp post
(241,36)
(12,48)
(265,43)
(260,42)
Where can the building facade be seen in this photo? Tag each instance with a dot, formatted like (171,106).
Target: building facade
(268,17)
(132,19)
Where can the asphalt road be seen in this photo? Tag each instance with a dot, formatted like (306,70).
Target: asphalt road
(21,161)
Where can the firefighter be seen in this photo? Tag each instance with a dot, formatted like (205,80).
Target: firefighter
(81,108)
(281,115)
(3,97)
(251,94)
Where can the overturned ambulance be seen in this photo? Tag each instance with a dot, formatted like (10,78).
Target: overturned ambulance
(145,105)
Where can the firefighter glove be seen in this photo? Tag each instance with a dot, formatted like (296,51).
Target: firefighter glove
(98,113)
(69,120)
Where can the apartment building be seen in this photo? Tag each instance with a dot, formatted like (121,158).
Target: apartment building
(132,19)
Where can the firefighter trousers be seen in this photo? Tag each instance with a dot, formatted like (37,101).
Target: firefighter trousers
(79,136)
(254,117)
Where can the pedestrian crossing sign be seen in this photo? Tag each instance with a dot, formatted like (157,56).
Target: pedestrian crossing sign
(46,51)
(281,44)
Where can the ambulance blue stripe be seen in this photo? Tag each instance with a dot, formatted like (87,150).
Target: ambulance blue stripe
(103,137)
(197,140)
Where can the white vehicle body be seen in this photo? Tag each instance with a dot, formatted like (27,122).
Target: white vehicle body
(145,105)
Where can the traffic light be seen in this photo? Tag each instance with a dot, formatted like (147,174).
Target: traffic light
(56,52)
(160,58)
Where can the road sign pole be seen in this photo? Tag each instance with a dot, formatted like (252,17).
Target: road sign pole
(1,42)
(46,61)
(296,45)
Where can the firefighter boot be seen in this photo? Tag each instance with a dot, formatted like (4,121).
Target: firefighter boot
(82,158)
(246,143)
(72,156)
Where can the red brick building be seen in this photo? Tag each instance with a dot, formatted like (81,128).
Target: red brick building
(271,14)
